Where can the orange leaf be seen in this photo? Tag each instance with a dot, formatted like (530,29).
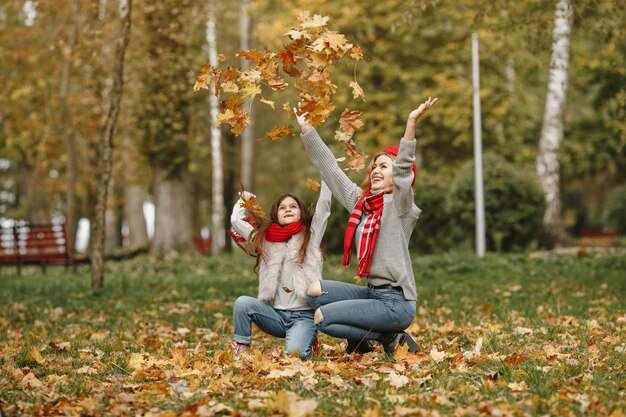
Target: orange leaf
(349,121)
(251,55)
(313,185)
(221,57)
(280,132)
(203,77)
(356,53)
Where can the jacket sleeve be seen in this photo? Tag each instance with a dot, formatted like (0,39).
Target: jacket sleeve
(237,221)
(322,213)
(402,173)
(342,188)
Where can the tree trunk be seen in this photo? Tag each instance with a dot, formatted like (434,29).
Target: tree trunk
(112,231)
(108,131)
(172,228)
(67,127)
(552,129)
(247,138)
(134,197)
(217,212)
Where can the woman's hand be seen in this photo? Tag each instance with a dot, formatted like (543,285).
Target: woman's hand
(409,133)
(305,126)
(421,110)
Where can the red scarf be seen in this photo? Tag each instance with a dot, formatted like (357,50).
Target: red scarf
(277,233)
(371,204)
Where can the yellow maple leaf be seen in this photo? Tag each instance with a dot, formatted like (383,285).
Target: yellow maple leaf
(315,22)
(221,57)
(203,77)
(313,185)
(334,44)
(356,53)
(401,352)
(280,132)
(35,356)
(250,89)
(357,91)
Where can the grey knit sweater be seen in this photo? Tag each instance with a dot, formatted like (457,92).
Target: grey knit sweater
(391,261)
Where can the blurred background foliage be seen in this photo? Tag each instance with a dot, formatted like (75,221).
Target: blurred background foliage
(413,49)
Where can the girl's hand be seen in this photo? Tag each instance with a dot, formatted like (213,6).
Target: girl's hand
(421,110)
(305,126)
(246,195)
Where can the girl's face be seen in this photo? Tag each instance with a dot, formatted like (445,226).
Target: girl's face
(288,211)
(380,176)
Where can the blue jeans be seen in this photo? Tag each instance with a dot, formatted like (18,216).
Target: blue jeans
(296,327)
(360,313)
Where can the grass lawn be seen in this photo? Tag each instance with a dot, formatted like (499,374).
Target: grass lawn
(504,336)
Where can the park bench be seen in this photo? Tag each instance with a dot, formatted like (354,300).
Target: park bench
(593,238)
(36,244)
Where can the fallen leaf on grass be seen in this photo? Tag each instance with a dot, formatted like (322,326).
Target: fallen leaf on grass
(437,355)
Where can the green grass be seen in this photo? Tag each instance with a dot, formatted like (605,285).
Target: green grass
(156,340)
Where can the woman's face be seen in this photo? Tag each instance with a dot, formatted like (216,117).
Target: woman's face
(380,176)
(288,211)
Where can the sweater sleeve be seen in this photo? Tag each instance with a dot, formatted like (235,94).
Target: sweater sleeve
(402,173)
(237,221)
(322,213)
(342,188)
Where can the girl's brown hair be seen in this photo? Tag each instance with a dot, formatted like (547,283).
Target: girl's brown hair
(366,185)
(262,224)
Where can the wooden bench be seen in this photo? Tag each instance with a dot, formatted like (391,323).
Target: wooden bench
(36,244)
(603,239)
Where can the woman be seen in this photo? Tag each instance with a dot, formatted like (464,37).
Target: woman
(382,219)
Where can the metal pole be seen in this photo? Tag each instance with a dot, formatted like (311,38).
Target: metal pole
(478,154)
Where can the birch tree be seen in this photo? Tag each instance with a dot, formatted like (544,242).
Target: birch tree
(547,167)
(247,138)
(68,130)
(108,132)
(217,215)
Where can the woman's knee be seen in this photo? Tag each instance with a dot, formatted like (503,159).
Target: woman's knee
(315,289)
(242,302)
(318,317)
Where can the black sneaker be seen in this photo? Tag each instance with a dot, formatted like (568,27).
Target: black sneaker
(397,339)
(359,346)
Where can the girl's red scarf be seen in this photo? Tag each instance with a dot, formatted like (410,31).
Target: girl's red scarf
(371,204)
(277,233)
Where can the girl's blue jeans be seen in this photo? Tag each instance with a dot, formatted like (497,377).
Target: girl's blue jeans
(361,313)
(296,327)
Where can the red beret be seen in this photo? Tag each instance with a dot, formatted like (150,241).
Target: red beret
(394,151)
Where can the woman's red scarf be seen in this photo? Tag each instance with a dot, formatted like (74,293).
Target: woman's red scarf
(277,233)
(371,204)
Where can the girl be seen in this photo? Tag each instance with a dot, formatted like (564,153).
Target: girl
(289,260)
(382,219)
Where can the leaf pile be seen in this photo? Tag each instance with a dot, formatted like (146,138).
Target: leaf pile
(303,64)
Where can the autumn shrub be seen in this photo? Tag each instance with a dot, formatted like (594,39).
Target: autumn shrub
(615,210)
(514,204)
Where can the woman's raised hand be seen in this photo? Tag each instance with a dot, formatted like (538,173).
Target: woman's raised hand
(421,110)
(305,126)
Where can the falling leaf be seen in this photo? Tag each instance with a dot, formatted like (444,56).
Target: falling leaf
(317,21)
(357,279)
(313,185)
(349,121)
(356,53)
(203,77)
(342,136)
(268,102)
(287,290)
(280,132)
(277,85)
(251,55)
(221,57)
(357,91)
